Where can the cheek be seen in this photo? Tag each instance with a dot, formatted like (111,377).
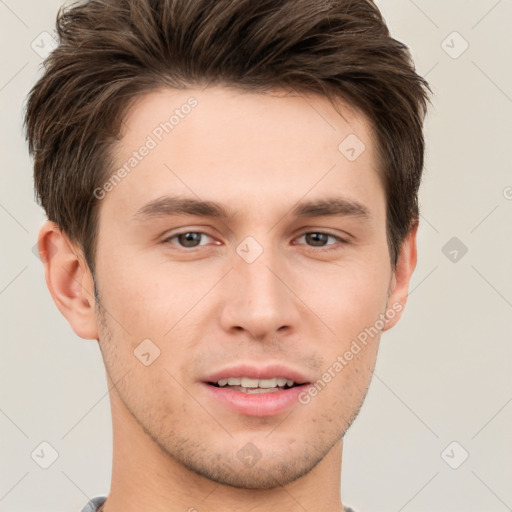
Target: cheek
(348,298)
(148,298)
(147,301)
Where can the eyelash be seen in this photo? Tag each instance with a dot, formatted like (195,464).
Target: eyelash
(330,247)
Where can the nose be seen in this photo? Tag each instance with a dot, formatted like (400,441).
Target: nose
(259,297)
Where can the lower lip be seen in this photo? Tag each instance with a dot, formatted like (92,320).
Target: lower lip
(256,404)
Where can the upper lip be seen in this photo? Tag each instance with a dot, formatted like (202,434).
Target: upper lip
(252,371)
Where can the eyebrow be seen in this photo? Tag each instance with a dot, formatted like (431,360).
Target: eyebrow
(330,207)
(168,205)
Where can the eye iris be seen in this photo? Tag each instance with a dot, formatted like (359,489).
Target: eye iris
(317,237)
(186,238)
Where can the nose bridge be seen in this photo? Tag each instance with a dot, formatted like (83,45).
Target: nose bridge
(260,302)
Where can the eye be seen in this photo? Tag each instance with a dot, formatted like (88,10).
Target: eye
(188,239)
(319,239)
(192,239)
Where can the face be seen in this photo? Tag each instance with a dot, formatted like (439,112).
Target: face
(278,279)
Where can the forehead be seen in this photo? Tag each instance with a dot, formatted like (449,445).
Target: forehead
(243,147)
(285,116)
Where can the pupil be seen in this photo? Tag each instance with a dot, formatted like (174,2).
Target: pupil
(316,237)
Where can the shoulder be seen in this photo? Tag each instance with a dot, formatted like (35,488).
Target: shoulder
(93,504)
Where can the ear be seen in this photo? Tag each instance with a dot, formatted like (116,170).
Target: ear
(399,286)
(69,280)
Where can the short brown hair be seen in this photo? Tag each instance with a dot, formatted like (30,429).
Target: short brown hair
(112,51)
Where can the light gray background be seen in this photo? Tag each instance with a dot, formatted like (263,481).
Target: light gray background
(443,374)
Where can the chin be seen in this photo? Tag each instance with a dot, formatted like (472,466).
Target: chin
(260,476)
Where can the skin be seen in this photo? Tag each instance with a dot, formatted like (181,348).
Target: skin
(297,303)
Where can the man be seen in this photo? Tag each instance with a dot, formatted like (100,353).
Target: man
(231,188)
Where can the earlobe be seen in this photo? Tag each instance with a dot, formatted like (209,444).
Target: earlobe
(69,280)
(399,286)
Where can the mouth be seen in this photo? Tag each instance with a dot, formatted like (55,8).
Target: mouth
(258,397)
(253,391)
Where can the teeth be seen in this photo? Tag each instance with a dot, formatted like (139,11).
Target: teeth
(267,383)
(247,382)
